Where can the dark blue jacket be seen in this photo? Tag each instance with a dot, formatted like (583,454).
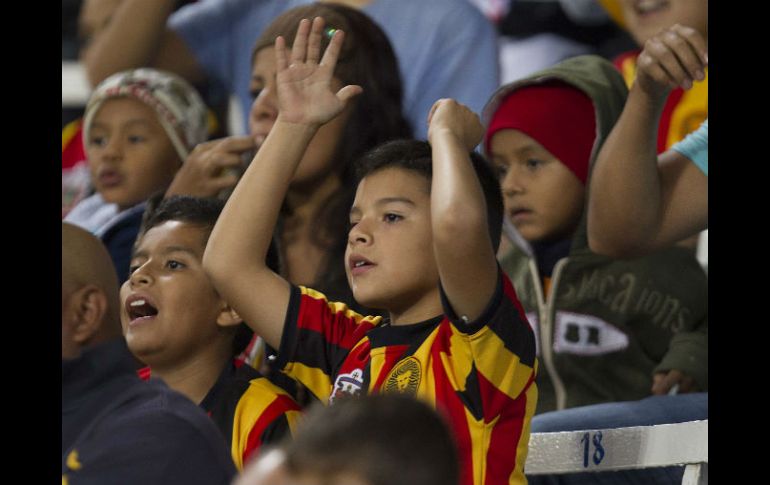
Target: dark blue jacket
(118,429)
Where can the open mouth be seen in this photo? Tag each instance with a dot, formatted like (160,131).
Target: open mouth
(109,178)
(359,264)
(139,307)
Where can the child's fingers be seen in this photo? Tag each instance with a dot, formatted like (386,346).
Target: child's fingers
(652,69)
(299,49)
(434,108)
(658,53)
(224,181)
(696,41)
(663,382)
(281,62)
(238,143)
(227,160)
(349,92)
(314,42)
(333,51)
(685,54)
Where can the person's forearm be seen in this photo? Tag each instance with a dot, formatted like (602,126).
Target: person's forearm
(236,252)
(625,193)
(457,202)
(461,242)
(132,38)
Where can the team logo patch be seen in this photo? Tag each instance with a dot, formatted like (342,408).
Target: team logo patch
(348,384)
(405,377)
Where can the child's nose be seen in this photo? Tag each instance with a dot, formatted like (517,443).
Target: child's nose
(511,184)
(113,149)
(359,234)
(140,276)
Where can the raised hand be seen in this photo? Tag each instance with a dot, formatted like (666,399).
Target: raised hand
(212,166)
(307,91)
(456,118)
(677,56)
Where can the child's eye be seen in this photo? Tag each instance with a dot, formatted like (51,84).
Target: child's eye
(351,225)
(392,217)
(136,139)
(502,170)
(533,163)
(172,264)
(132,268)
(98,141)
(254,93)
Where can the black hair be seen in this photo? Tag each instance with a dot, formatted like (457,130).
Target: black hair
(376,116)
(203,213)
(197,211)
(415,155)
(375,437)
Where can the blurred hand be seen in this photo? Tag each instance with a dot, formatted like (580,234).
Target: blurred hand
(677,56)
(447,115)
(662,382)
(212,166)
(304,86)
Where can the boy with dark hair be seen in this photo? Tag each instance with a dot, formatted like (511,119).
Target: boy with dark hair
(176,323)
(609,330)
(364,441)
(415,155)
(116,428)
(418,247)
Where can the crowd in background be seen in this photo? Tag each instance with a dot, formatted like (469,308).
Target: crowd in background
(489,207)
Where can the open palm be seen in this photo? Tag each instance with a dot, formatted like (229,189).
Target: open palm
(305,87)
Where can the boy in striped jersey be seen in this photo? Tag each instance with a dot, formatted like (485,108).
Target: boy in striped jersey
(176,323)
(425,224)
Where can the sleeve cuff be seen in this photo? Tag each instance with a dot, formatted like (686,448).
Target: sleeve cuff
(486,316)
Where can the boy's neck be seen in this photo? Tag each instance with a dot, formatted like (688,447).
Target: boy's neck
(425,308)
(196,376)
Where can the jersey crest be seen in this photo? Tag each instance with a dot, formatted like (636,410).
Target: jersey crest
(351,384)
(405,377)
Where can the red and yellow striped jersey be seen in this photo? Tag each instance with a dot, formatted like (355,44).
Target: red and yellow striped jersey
(479,375)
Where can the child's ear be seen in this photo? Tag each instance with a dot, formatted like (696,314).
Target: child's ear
(228,317)
(88,310)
